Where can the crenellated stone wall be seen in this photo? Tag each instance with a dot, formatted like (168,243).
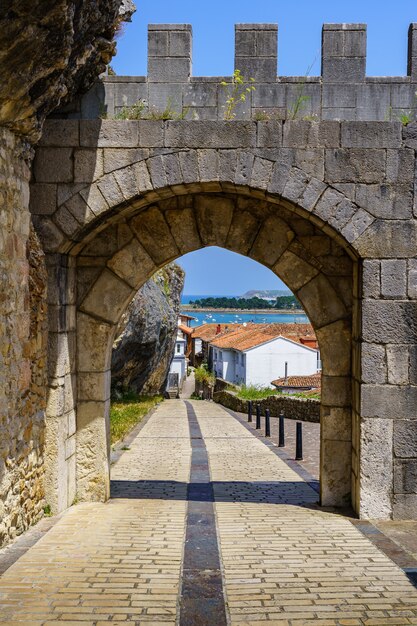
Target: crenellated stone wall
(342,92)
(23,346)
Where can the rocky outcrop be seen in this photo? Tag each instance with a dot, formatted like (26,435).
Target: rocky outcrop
(146,335)
(50,51)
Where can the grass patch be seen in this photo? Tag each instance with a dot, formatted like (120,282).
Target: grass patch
(253,392)
(128,411)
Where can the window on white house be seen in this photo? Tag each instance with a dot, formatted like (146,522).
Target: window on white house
(178,348)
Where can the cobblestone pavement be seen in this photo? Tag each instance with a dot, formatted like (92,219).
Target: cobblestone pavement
(283,561)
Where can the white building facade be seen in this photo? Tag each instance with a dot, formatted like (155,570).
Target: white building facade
(261,364)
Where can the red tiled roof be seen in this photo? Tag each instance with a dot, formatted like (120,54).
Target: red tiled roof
(185,329)
(188,317)
(256,334)
(314,380)
(207,332)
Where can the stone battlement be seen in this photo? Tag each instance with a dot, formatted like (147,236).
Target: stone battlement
(342,92)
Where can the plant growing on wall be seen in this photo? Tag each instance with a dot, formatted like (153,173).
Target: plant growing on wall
(238,90)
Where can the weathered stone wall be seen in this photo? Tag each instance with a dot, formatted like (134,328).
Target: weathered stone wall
(302,409)
(146,334)
(342,92)
(22,346)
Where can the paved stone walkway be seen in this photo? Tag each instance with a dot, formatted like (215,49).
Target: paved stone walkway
(137,559)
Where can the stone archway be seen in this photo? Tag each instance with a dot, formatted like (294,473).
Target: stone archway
(115,262)
(113,213)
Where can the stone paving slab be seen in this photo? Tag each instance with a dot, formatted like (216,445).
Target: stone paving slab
(283,560)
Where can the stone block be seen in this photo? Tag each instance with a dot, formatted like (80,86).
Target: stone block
(336,463)
(107,298)
(373,364)
(156,170)
(109,133)
(335,348)
(214,216)
(409,133)
(373,102)
(400,166)
(88,165)
(269,134)
(389,239)
(53,165)
(412,279)
(210,134)
(405,438)
(117,158)
(357,225)
(398,365)
(269,95)
(208,165)
(343,70)
(95,336)
(94,386)
(261,173)
(184,229)
(389,321)
(51,236)
(169,69)
(66,221)
(394,278)
(306,134)
(59,357)
(404,507)
(336,424)
(200,95)
(336,391)
(132,264)
(180,43)
(272,240)
(321,302)
(355,165)
(245,43)
(386,201)
(110,190)
(189,166)
(339,95)
(227,165)
(242,232)
(151,133)
(311,194)
(43,199)
(294,271)
(153,233)
(128,94)
(388,401)
(371,135)
(412,52)
(172,169)
(142,177)
(60,133)
(165,95)
(158,43)
(244,167)
(262,69)
(376,468)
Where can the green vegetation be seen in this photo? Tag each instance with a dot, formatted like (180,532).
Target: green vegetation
(254,392)
(139,111)
(281,302)
(47,510)
(204,376)
(238,90)
(128,411)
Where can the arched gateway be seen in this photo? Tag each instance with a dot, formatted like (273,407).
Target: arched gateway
(329,206)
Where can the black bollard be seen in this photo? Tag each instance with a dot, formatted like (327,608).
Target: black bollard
(250,411)
(299,442)
(258,416)
(281,441)
(267,423)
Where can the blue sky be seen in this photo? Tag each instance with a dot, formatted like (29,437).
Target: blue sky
(215,271)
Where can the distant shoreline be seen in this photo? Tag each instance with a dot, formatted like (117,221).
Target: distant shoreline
(190,309)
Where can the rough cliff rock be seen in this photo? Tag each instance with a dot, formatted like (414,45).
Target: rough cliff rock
(51,50)
(146,335)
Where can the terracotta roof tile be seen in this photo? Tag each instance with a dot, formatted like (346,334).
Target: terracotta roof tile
(185,329)
(254,335)
(207,332)
(314,380)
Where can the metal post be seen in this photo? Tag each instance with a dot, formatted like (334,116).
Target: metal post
(267,423)
(258,416)
(281,441)
(299,442)
(250,411)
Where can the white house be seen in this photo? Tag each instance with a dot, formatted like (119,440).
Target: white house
(179,362)
(260,353)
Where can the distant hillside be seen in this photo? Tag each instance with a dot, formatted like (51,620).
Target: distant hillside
(266,294)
